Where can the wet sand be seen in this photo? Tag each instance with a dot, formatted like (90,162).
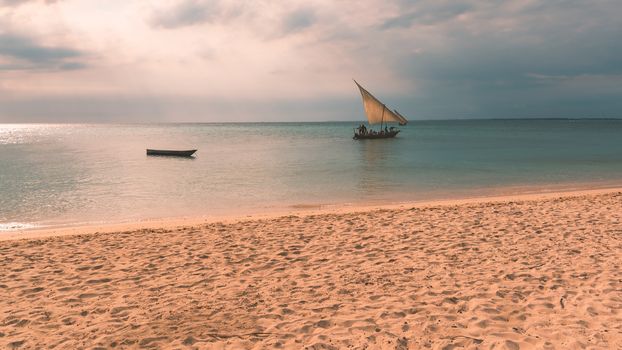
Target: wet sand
(510,273)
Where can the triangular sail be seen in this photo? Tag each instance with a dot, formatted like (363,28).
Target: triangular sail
(376,111)
(403,120)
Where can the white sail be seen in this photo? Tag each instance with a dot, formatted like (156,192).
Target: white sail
(376,111)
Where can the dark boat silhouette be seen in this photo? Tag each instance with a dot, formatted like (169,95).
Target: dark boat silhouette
(170,153)
(376,135)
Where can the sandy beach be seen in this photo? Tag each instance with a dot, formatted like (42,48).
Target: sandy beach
(539,272)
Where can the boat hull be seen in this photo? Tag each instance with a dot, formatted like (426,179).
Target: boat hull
(170,153)
(384,135)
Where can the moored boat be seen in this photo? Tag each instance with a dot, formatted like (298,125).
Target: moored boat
(172,153)
(377,113)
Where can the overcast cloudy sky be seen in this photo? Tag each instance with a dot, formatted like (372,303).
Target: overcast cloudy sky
(268,60)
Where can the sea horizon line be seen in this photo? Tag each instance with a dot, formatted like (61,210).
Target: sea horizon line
(306,121)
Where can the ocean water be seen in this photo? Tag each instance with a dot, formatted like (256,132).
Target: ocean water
(76,174)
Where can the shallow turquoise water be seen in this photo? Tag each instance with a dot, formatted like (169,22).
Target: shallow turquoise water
(58,174)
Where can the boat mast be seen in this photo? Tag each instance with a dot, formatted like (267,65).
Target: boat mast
(382,119)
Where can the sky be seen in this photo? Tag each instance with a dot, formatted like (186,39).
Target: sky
(268,60)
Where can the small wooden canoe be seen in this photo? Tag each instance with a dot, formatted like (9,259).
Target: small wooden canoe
(172,153)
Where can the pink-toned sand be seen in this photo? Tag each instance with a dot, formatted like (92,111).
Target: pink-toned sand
(522,273)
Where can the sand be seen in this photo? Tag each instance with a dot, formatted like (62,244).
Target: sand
(540,273)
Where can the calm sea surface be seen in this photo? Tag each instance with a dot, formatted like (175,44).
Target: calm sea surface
(68,174)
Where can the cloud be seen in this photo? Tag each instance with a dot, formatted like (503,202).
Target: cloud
(72,66)
(507,59)
(299,20)
(427,13)
(24,53)
(21,2)
(184,13)
(428,58)
(490,56)
(264,20)
(403,21)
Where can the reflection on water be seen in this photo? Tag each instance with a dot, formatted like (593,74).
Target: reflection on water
(25,133)
(377,167)
(77,173)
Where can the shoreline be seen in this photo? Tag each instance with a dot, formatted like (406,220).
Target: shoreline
(520,194)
